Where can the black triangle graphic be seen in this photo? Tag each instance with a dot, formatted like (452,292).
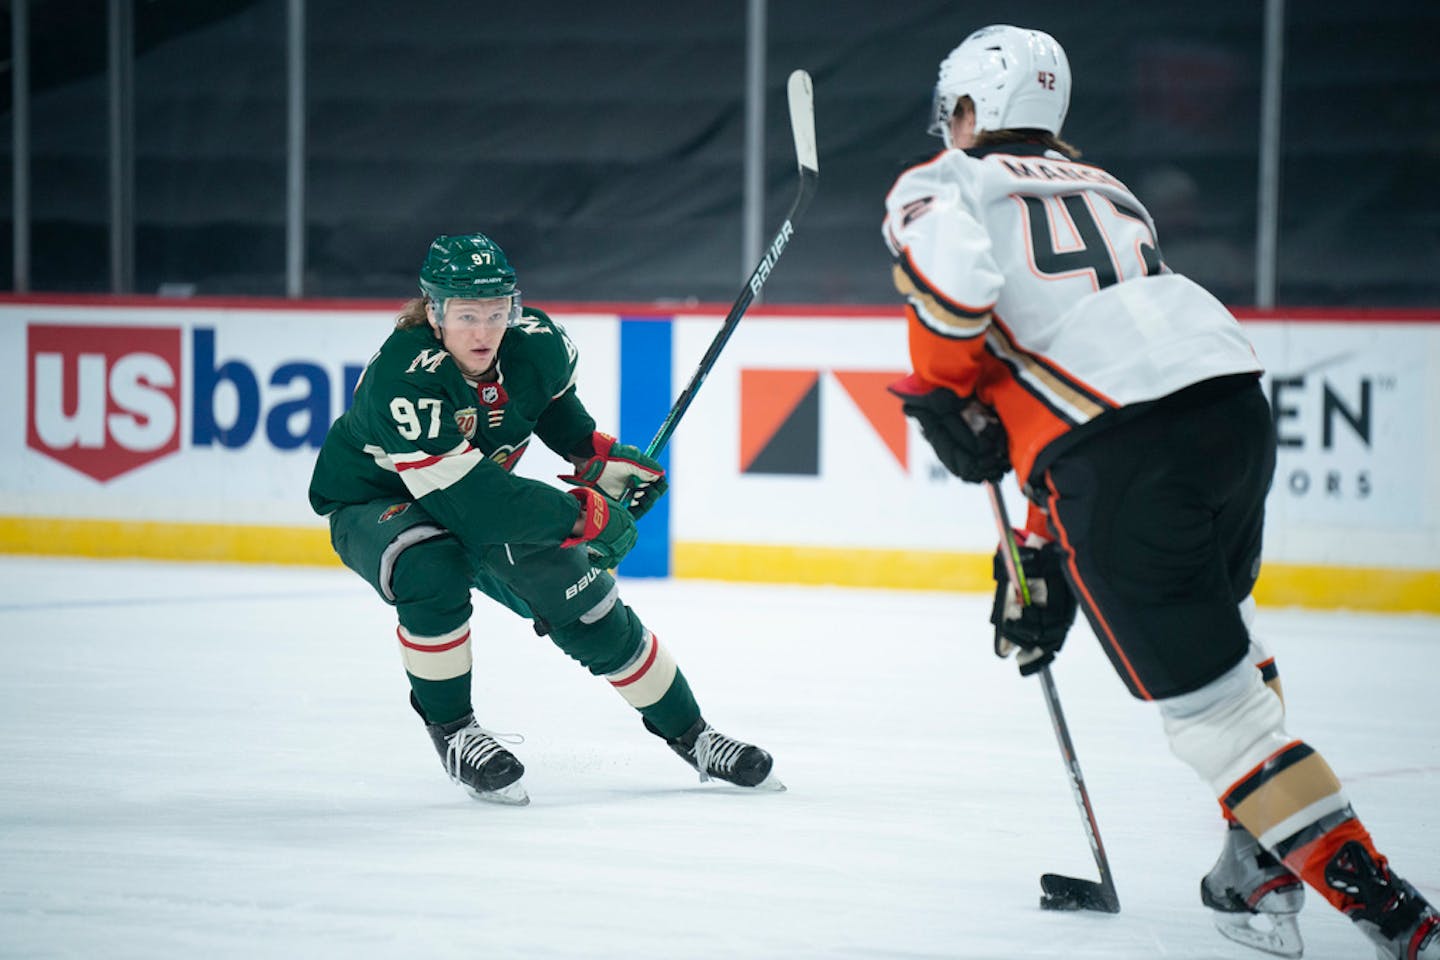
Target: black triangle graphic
(794,449)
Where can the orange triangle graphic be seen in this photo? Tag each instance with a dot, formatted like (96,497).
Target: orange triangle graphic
(881,408)
(767,398)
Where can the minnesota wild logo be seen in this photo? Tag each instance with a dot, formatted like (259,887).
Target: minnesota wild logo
(393,511)
(508,454)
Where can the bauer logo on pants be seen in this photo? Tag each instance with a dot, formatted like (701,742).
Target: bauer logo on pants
(103,400)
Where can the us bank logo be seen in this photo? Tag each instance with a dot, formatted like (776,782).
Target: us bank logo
(104,400)
(109,400)
(781,414)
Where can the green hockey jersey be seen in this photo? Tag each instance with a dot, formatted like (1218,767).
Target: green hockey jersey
(418,428)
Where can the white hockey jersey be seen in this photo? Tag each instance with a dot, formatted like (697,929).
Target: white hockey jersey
(1036,284)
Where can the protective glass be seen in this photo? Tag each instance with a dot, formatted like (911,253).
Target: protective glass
(491,314)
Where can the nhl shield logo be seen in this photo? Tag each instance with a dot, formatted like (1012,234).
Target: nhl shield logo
(493,398)
(465,420)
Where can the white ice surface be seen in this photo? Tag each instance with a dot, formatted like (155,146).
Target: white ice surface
(211,761)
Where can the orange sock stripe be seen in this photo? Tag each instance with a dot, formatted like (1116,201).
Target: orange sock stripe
(1308,862)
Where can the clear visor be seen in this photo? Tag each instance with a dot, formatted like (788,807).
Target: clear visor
(939,114)
(489,314)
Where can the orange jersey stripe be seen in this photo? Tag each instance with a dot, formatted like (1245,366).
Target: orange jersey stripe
(1036,399)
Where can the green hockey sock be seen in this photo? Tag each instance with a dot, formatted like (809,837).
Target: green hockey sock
(443,701)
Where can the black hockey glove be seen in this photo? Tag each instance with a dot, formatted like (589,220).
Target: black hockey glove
(1038,628)
(965,434)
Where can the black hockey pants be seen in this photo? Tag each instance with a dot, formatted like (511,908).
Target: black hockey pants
(1161,517)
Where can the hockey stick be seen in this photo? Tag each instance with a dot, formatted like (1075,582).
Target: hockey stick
(1060,892)
(802,125)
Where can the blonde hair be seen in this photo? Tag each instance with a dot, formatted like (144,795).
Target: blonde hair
(413,314)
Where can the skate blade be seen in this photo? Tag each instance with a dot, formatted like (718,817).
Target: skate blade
(771,784)
(1274,933)
(510,795)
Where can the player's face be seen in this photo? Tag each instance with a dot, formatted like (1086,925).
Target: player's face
(473,330)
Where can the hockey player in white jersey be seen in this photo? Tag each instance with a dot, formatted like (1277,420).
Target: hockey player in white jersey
(1047,334)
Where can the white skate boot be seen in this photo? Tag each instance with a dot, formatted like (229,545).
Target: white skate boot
(1254,897)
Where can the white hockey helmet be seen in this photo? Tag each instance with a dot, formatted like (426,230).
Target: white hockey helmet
(1017,78)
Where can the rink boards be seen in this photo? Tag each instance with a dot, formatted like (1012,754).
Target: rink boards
(187,430)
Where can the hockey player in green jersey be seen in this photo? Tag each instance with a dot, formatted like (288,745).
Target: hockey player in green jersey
(416,481)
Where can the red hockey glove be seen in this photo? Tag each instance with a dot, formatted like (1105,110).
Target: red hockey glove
(1036,629)
(617,469)
(965,434)
(607,530)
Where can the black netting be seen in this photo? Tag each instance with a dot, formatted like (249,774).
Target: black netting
(601,145)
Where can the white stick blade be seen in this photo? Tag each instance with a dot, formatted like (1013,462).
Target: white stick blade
(802,119)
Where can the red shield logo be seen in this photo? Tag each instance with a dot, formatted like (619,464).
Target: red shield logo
(492,395)
(103,400)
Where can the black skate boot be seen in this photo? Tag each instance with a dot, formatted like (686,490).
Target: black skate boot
(1255,898)
(715,755)
(1401,923)
(475,760)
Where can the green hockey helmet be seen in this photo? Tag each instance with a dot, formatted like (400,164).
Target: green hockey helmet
(469,266)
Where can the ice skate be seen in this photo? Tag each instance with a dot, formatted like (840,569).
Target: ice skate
(1398,920)
(474,759)
(719,757)
(1253,897)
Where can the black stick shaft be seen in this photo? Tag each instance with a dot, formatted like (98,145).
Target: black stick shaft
(1077,785)
(756,281)
(1052,703)
(800,92)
